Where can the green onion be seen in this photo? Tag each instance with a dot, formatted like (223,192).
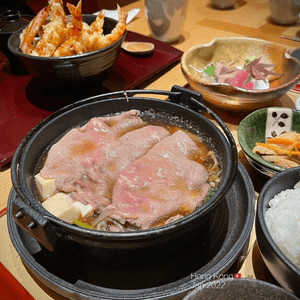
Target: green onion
(81,224)
(211,191)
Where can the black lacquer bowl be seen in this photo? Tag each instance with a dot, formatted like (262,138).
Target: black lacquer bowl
(71,69)
(184,109)
(283,270)
(10,22)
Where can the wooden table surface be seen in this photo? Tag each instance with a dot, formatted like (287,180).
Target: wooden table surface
(248,18)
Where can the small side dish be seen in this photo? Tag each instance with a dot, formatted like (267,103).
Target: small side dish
(270,139)
(52,33)
(138,48)
(282,150)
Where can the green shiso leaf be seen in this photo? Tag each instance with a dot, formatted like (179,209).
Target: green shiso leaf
(210,70)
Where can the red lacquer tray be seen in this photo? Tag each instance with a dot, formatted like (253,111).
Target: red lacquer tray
(10,288)
(24,102)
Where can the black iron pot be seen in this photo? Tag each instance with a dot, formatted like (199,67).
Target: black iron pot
(183,108)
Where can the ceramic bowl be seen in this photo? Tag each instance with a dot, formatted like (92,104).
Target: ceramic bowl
(259,124)
(231,98)
(241,288)
(71,69)
(283,270)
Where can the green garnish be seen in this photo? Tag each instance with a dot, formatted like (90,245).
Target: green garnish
(211,191)
(210,70)
(250,58)
(81,224)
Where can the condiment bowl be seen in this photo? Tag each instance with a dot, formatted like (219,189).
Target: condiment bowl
(236,50)
(261,123)
(283,269)
(74,68)
(138,48)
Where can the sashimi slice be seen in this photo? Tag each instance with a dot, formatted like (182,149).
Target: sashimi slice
(239,78)
(248,86)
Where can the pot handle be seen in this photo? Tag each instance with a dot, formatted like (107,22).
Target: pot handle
(194,101)
(34,223)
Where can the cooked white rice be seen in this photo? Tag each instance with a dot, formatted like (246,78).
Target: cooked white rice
(283,222)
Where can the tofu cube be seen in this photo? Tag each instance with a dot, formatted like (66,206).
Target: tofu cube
(59,206)
(46,187)
(85,210)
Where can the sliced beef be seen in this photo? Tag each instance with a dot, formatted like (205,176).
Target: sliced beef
(89,176)
(162,186)
(94,180)
(65,156)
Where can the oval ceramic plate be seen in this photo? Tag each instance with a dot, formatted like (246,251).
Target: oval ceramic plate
(254,128)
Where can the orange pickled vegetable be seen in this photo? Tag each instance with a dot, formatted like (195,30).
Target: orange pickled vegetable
(279,141)
(277,149)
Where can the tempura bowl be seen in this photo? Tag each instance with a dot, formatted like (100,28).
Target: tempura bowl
(237,49)
(283,270)
(71,69)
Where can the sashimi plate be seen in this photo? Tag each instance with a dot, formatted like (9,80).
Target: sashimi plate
(235,51)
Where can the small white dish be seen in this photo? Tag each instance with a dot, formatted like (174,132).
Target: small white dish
(138,48)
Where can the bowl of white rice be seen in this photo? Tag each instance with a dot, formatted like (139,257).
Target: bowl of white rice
(278,228)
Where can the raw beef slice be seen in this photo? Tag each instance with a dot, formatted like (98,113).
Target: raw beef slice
(162,186)
(87,161)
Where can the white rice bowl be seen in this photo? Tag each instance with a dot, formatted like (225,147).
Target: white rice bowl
(283,222)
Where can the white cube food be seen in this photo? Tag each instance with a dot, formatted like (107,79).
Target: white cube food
(60,206)
(261,84)
(85,210)
(46,187)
